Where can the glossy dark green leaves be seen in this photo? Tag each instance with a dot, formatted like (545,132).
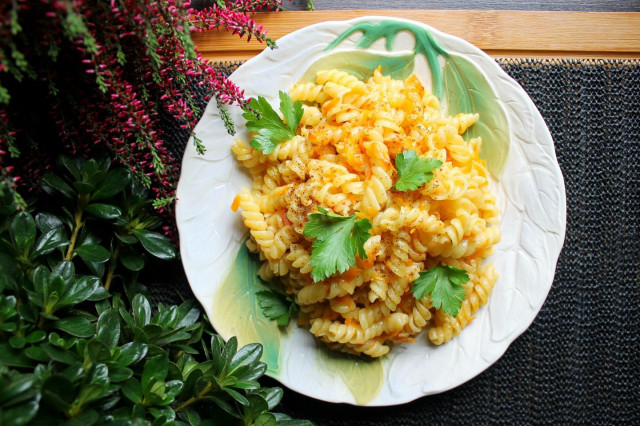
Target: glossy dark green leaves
(131,353)
(22,230)
(133,261)
(76,326)
(132,390)
(156,244)
(49,241)
(108,328)
(141,310)
(104,211)
(92,357)
(18,398)
(93,253)
(55,185)
(115,182)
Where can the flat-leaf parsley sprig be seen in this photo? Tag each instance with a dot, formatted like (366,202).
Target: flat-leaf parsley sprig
(444,283)
(277,306)
(338,240)
(413,170)
(270,129)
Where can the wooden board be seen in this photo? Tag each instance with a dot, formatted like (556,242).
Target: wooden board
(583,5)
(499,33)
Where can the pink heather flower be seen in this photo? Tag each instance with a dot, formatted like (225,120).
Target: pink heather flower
(255,5)
(128,68)
(232,20)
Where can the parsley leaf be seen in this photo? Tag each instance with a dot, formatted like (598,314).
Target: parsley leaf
(414,171)
(444,283)
(277,306)
(338,240)
(265,121)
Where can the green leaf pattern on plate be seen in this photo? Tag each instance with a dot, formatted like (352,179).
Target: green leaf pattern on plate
(459,82)
(238,294)
(468,91)
(362,376)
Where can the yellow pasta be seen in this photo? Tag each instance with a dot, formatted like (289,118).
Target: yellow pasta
(343,160)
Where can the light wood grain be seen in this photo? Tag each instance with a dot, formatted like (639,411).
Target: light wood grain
(499,33)
(582,5)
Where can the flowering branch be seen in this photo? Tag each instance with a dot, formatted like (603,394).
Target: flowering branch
(110,76)
(231,20)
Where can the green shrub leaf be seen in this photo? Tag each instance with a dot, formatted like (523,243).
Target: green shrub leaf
(156,244)
(76,326)
(54,185)
(93,253)
(23,231)
(104,211)
(108,328)
(115,181)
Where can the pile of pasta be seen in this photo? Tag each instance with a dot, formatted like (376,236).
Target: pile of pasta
(342,159)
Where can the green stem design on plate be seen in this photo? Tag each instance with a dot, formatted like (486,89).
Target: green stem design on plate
(425,44)
(462,85)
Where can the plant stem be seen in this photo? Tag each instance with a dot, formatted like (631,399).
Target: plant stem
(41,322)
(76,229)
(112,266)
(193,399)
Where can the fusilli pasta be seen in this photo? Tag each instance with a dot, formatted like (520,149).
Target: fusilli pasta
(343,160)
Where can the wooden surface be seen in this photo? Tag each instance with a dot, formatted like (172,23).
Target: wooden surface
(582,5)
(576,5)
(498,33)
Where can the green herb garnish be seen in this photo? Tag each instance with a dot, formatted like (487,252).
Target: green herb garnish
(338,240)
(277,306)
(445,285)
(270,129)
(413,170)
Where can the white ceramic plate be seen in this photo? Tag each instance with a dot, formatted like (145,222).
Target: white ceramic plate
(530,192)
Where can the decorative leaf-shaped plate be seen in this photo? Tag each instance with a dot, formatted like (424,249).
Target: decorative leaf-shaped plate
(526,178)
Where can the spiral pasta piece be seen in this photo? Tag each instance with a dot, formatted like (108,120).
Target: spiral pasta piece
(307,92)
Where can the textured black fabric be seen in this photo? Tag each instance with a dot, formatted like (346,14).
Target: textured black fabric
(579,362)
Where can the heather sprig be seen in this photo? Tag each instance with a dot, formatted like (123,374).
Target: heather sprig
(231,20)
(252,5)
(109,77)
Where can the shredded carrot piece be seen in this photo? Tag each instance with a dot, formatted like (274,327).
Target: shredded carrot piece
(349,322)
(351,274)
(403,340)
(367,170)
(284,217)
(236,203)
(391,336)
(364,263)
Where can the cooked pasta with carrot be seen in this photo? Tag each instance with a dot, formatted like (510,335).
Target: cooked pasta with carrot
(344,160)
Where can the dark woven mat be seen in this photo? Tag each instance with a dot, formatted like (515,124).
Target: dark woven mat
(579,362)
